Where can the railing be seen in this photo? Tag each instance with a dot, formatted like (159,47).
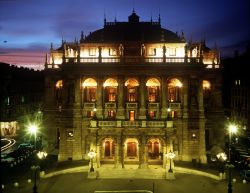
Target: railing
(136,124)
(110,105)
(131,105)
(89,105)
(175,105)
(153,105)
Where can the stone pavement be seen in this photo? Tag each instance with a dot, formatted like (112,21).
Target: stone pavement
(131,172)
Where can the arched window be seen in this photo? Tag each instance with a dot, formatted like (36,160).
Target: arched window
(153,86)
(206,85)
(110,86)
(58,93)
(90,87)
(131,85)
(174,88)
(154,148)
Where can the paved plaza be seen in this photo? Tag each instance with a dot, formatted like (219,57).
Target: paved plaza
(75,180)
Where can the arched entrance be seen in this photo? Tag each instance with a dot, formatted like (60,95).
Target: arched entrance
(131,151)
(154,151)
(108,151)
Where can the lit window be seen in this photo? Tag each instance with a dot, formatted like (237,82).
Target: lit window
(90,113)
(152,94)
(131,115)
(172,52)
(111,114)
(131,95)
(151,114)
(112,52)
(92,51)
(91,94)
(111,92)
(70,134)
(152,51)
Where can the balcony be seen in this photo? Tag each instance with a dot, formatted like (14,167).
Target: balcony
(153,105)
(175,105)
(89,105)
(131,105)
(132,124)
(110,105)
(155,123)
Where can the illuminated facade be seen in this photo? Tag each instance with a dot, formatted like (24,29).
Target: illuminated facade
(133,91)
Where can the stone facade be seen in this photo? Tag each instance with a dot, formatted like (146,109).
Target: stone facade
(132,101)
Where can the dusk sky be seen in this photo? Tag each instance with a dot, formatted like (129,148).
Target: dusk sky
(27,27)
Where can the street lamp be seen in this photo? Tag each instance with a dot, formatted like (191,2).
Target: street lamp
(91,155)
(231,129)
(35,168)
(41,155)
(33,130)
(171,156)
(222,157)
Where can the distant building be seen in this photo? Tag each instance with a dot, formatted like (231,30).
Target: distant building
(133,91)
(20,100)
(237,89)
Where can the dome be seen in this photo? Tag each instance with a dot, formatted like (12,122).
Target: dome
(133,30)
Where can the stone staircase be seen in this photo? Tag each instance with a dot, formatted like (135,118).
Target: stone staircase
(131,172)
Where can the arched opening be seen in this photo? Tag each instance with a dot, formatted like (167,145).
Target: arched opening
(132,85)
(174,89)
(90,88)
(58,91)
(154,149)
(153,86)
(110,87)
(108,148)
(131,151)
(206,85)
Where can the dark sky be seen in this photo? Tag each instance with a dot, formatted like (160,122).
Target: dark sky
(27,27)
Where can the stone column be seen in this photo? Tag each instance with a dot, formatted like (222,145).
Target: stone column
(98,156)
(164,159)
(118,153)
(185,98)
(202,143)
(144,152)
(140,156)
(163,98)
(99,104)
(120,109)
(142,110)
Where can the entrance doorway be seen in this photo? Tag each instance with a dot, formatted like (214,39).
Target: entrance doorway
(131,149)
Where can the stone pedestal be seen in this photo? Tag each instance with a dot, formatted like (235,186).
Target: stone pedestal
(92,175)
(170,176)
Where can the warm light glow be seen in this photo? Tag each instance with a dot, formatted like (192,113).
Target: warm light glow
(222,156)
(131,82)
(170,155)
(110,82)
(232,128)
(153,82)
(91,154)
(33,129)
(174,82)
(42,154)
(206,84)
(89,82)
(59,84)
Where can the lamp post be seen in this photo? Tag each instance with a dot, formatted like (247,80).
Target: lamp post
(41,155)
(222,157)
(231,129)
(91,155)
(171,156)
(33,130)
(35,168)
